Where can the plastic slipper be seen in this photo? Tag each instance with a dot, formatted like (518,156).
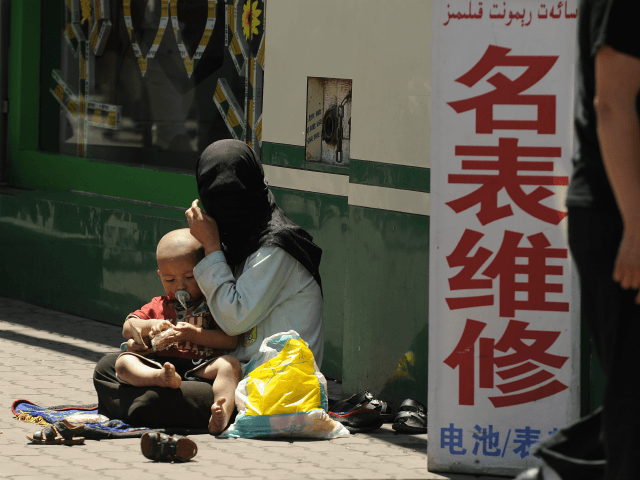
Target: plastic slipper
(60,433)
(366,428)
(383,408)
(411,418)
(160,447)
(357,418)
(359,413)
(359,421)
(364,399)
(357,401)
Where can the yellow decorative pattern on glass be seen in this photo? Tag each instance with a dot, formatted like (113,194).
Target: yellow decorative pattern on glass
(250,22)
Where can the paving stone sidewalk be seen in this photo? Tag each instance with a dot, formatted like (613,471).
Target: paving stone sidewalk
(47,357)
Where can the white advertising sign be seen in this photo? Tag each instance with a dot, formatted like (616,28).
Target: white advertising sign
(503,318)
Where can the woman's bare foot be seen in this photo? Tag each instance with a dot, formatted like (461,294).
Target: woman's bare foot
(219,418)
(167,377)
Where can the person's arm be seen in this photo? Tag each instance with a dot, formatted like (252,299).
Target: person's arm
(239,305)
(617,88)
(204,337)
(143,325)
(203,228)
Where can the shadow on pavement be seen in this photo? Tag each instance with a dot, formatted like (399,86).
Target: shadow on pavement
(414,443)
(55,345)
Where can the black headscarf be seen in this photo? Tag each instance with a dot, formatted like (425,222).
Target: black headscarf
(233,191)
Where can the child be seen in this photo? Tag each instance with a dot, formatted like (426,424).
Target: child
(193,336)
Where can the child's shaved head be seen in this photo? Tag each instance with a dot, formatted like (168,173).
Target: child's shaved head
(177,244)
(177,254)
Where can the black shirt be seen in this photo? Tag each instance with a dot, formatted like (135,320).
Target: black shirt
(600,22)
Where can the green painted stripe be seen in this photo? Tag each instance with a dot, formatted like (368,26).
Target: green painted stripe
(45,171)
(361,172)
(390,175)
(293,156)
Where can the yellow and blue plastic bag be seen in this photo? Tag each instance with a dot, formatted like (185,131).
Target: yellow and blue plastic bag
(283,394)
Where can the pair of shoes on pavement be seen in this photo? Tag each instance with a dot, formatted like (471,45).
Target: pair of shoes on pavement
(161,447)
(362,413)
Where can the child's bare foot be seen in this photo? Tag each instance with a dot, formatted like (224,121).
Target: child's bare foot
(219,418)
(168,377)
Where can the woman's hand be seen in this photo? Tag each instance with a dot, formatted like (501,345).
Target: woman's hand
(203,228)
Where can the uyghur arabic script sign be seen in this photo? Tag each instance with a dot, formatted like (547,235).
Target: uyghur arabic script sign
(503,337)
(522,14)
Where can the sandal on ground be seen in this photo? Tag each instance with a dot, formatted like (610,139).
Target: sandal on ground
(411,418)
(361,412)
(364,399)
(358,421)
(357,401)
(357,418)
(357,413)
(60,433)
(384,409)
(161,447)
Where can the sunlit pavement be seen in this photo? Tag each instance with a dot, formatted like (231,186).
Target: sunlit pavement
(47,357)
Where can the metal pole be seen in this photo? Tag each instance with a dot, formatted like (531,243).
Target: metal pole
(4,84)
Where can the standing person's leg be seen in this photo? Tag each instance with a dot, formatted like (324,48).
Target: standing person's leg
(226,373)
(594,236)
(622,395)
(614,320)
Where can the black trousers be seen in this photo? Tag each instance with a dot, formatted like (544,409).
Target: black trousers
(614,321)
(187,407)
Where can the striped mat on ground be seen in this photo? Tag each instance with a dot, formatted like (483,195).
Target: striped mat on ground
(30,412)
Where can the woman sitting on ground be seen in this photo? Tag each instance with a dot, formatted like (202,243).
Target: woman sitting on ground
(260,277)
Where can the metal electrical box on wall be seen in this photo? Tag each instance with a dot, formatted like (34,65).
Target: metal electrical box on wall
(328,132)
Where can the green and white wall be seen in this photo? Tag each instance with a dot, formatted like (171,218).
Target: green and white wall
(372,217)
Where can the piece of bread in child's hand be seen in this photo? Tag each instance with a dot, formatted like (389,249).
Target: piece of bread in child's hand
(162,340)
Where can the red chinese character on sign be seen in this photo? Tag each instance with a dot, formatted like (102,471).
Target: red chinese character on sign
(505,266)
(536,269)
(525,359)
(509,92)
(508,167)
(464,358)
(464,280)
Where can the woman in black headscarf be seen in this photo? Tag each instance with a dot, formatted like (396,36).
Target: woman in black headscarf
(260,274)
(260,277)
